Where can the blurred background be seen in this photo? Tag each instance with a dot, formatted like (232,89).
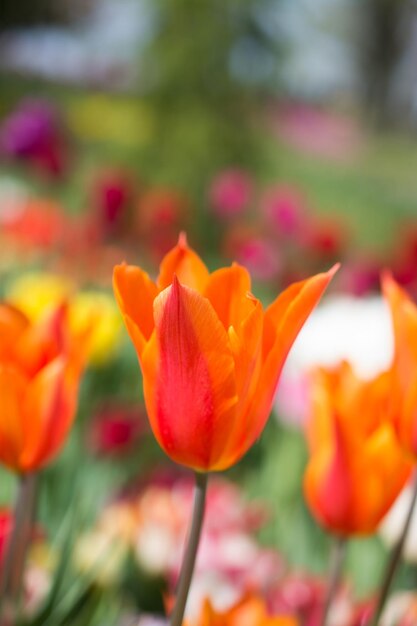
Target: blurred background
(280,133)
(257,126)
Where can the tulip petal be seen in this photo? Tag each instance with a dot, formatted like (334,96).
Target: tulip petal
(184,263)
(135,293)
(227,289)
(12,324)
(247,352)
(41,342)
(404,321)
(327,483)
(49,408)
(283,321)
(189,380)
(12,388)
(381,472)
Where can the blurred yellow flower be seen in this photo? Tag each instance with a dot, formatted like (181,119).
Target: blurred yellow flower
(34,292)
(99,117)
(100,556)
(97,308)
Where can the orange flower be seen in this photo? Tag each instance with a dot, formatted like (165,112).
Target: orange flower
(210,355)
(250,611)
(39,375)
(404,318)
(357,468)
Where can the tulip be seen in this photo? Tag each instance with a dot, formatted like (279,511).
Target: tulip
(404,319)
(210,354)
(250,611)
(40,367)
(93,312)
(356,469)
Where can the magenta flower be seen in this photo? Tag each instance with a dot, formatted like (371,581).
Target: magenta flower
(231,192)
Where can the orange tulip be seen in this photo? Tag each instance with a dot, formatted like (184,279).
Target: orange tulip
(210,354)
(40,369)
(356,469)
(251,611)
(404,318)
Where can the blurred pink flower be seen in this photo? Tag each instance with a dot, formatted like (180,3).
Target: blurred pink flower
(284,208)
(115,429)
(292,398)
(303,595)
(360,278)
(317,132)
(261,258)
(252,249)
(231,192)
(112,192)
(6,525)
(325,239)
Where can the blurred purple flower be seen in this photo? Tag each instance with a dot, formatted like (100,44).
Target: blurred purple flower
(31,125)
(31,132)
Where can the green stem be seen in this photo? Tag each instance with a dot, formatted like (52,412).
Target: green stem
(188,563)
(18,544)
(394,560)
(337,559)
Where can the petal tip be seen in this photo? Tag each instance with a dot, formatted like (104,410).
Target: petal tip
(182,240)
(333,270)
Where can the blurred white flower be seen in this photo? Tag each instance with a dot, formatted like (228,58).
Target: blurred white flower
(344,327)
(156,546)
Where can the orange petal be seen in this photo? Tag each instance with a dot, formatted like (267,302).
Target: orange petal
(12,389)
(227,289)
(285,317)
(247,352)
(283,321)
(135,293)
(186,265)
(12,324)
(381,471)
(189,382)
(404,320)
(40,343)
(49,408)
(327,484)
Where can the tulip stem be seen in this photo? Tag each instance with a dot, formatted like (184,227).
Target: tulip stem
(190,554)
(394,559)
(18,544)
(337,559)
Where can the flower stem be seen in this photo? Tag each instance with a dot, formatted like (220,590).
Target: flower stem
(18,544)
(394,560)
(337,558)
(187,566)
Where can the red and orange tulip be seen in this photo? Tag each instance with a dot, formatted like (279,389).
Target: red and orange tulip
(404,319)
(210,354)
(251,611)
(40,368)
(357,468)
